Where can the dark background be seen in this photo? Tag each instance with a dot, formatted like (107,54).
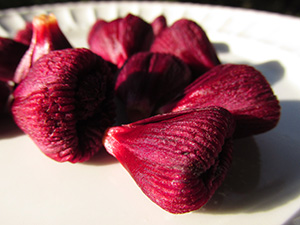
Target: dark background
(289,7)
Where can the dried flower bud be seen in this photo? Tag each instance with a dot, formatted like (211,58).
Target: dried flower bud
(46,37)
(65,104)
(117,40)
(11,53)
(177,159)
(149,80)
(159,24)
(188,41)
(241,89)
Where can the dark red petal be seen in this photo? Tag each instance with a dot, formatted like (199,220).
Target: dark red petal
(159,24)
(4,96)
(24,35)
(117,40)
(149,80)
(177,159)
(188,41)
(11,53)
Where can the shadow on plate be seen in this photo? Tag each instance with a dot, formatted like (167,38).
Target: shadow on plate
(8,128)
(101,158)
(272,70)
(242,179)
(221,47)
(253,184)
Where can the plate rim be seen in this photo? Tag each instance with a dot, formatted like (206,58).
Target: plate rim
(284,41)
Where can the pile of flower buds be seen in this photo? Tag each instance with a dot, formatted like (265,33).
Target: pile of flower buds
(184,107)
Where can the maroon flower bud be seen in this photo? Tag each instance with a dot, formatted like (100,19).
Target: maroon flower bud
(159,24)
(117,40)
(177,159)
(188,41)
(65,104)
(149,80)
(46,37)
(241,89)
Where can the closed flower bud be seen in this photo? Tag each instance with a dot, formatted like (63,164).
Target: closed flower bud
(178,159)
(159,24)
(241,89)
(46,37)
(65,104)
(189,42)
(149,80)
(117,40)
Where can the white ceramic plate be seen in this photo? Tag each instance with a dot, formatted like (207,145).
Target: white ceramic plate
(263,186)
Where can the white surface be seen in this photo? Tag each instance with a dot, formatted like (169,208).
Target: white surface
(263,186)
